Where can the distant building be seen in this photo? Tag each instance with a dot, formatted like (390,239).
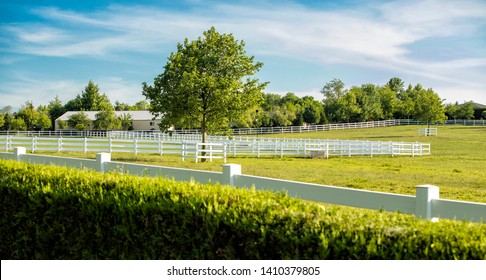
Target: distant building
(141,120)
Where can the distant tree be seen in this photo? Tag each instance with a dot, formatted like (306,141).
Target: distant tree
(406,104)
(313,110)
(107,120)
(55,109)
(396,85)
(334,93)
(451,110)
(429,107)
(6,110)
(122,106)
(79,121)
(90,100)
(280,117)
(388,101)
(18,124)
(43,123)
(465,111)
(2,120)
(141,106)
(126,121)
(347,108)
(206,84)
(291,98)
(8,118)
(483,114)
(28,114)
(333,90)
(32,118)
(62,124)
(369,102)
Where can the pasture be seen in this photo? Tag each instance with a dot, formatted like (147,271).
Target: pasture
(457,164)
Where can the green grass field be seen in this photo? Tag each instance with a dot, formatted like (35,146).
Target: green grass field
(457,164)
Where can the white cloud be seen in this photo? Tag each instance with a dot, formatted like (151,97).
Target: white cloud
(22,88)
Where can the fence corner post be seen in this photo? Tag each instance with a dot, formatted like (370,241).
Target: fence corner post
(101,158)
(18,152)
(229,172)
(425,194)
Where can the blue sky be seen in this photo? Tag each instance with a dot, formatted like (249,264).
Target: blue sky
(50,48)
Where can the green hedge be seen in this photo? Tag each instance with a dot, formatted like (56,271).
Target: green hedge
(58,213)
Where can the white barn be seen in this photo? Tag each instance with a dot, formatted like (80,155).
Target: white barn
(141,120)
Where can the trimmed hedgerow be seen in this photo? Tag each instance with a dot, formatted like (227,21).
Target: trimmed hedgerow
(52,212)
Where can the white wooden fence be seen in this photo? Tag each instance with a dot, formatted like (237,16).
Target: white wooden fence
(219,148)
(425,204)
(209,151)
(426,131)
(151,134)
(447,122)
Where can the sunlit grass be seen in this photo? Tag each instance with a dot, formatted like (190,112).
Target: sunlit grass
(457,164)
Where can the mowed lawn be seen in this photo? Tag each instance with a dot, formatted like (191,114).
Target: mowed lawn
(457,164)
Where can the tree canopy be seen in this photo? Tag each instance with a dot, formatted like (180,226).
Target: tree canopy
(79,121)
(90,100)
(207,83)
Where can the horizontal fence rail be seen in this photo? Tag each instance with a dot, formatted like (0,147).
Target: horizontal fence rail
(153,134)
(447,122)
(220,147)
(425,204)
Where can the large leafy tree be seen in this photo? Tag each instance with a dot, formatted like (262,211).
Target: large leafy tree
(334,100)
(429,107)
(207,83)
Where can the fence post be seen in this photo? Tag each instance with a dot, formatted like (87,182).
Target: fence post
(18,152)
(59,144)
(224,152)
(101,158)
(425,194)
(34,142)
(183,148)
(229,172)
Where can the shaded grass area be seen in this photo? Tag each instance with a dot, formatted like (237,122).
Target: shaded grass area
(457,164)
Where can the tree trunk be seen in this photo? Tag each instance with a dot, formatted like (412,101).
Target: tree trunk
(204,136)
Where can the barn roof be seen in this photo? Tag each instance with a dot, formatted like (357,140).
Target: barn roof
(136,115)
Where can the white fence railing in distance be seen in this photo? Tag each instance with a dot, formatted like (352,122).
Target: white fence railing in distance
(447,122)
(155,135)
(426,131)
(425,204)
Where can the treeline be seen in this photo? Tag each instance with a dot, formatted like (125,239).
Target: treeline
(370,102)
(367,102)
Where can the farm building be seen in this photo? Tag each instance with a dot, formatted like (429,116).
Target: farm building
(141,120)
